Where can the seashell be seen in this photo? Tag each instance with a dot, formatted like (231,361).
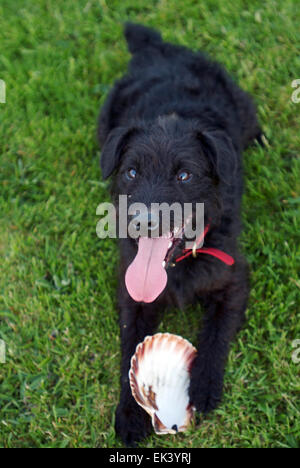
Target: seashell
(159,379)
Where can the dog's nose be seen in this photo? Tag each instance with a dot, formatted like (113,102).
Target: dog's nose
(153,221)
(148,221)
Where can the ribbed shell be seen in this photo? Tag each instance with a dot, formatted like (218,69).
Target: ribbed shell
(159,380)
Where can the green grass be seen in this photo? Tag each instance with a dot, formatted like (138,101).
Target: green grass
(60,384)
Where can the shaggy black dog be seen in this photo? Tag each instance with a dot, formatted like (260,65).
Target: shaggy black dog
(173,130)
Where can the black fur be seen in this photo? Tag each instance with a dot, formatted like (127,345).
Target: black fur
(176,109)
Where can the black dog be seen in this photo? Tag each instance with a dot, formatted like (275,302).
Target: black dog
(173,130)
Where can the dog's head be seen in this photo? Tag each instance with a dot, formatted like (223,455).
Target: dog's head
(166,162)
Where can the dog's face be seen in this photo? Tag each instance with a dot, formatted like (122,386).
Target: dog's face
(169,162)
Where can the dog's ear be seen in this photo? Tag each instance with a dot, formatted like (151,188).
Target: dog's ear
(113,149)
(222,155)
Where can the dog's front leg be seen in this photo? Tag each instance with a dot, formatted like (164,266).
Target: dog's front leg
(136,322)
(224,316)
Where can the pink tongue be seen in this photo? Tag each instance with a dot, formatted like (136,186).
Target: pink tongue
(146,277)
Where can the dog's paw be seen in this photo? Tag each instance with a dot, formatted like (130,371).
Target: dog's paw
(205,389)
(132,423)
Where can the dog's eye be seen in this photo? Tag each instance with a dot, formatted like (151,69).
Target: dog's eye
(131,174)
(184,176)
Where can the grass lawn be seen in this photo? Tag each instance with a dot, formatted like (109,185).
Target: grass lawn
(59,386)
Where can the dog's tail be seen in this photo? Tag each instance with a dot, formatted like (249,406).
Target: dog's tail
(141,37)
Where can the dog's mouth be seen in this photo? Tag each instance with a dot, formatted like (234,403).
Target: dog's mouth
(176,244)
(146,277)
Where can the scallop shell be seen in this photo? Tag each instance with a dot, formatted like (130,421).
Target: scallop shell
(159,379)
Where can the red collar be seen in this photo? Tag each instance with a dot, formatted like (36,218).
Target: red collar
(224,257)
